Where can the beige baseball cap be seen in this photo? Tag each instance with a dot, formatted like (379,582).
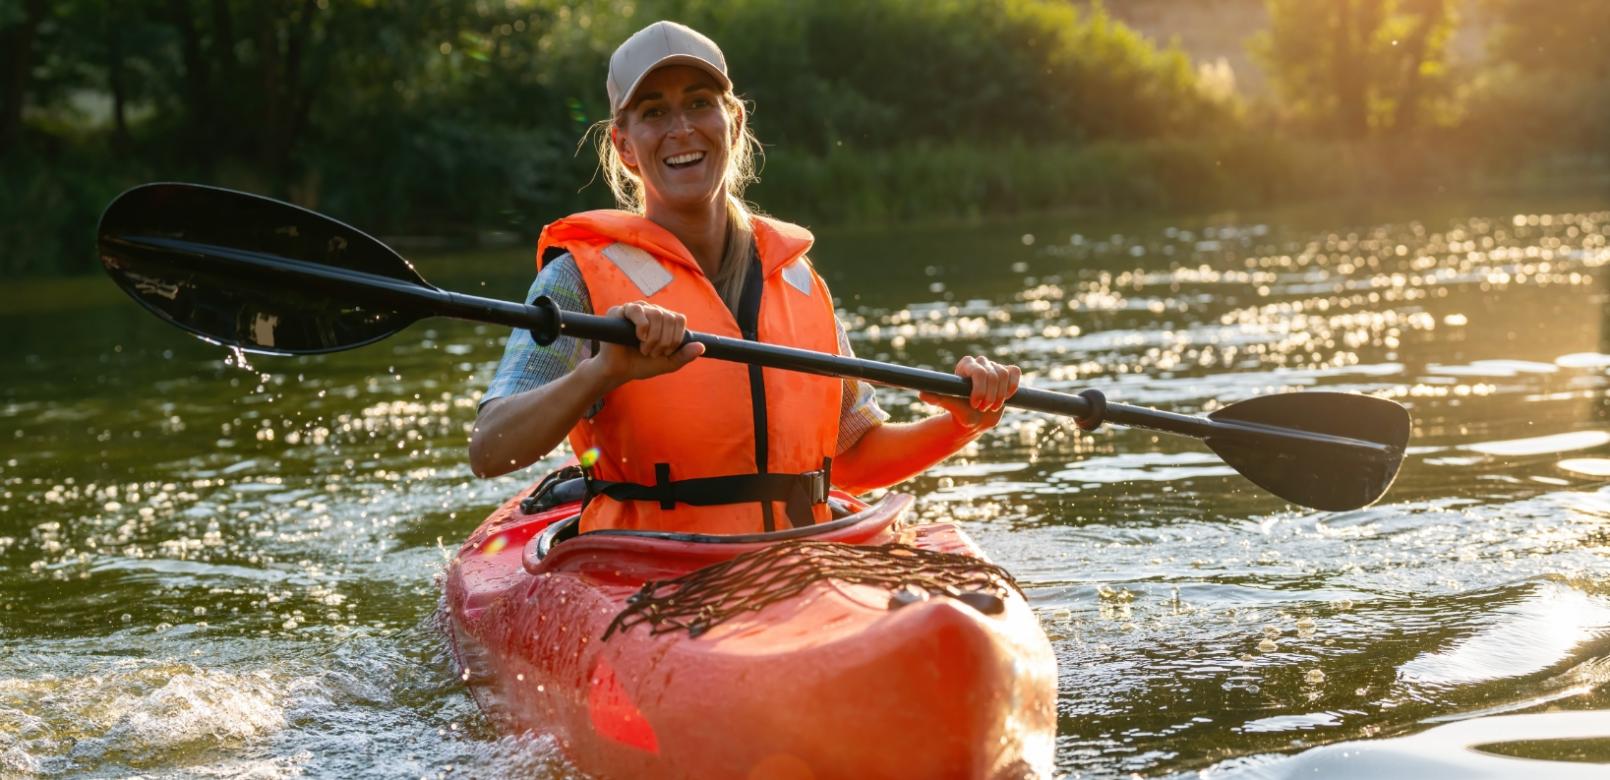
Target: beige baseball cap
(655,46)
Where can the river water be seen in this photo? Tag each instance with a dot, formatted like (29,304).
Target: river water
(209,569)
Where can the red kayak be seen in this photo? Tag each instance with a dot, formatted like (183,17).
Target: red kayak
(856,648)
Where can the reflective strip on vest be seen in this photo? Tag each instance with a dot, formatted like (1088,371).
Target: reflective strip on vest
(639,266)
(798,274)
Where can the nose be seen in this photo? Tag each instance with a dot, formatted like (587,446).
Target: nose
(681,123)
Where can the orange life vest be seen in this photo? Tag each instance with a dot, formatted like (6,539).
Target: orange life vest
(715,447)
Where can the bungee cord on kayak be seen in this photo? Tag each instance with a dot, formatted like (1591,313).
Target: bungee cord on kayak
(707,597)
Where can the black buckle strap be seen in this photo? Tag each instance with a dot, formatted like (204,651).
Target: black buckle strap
(662,478)
(799,492)
(812,486)
(817,485)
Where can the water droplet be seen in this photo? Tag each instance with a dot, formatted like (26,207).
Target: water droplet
(237,359)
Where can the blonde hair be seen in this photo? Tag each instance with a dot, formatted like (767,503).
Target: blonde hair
(627,187)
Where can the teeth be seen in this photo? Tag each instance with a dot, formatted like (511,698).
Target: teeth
(684,159)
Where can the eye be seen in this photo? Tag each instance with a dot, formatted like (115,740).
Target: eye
(701,102)
(650,112)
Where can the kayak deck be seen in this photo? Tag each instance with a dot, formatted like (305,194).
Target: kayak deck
(837,680)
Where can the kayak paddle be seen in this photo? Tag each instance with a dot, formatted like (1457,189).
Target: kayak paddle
(266,276)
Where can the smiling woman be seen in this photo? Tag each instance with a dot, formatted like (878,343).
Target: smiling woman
(737,462)
(677,123)
(686,120)
(675,443)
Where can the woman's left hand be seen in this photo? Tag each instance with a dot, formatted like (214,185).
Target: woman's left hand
(993,383)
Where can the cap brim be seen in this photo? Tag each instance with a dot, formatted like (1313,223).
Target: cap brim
(674,59)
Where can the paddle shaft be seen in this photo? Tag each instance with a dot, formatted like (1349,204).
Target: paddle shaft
(548,321)
(618,331)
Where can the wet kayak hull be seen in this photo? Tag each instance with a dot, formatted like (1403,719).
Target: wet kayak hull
(832,682)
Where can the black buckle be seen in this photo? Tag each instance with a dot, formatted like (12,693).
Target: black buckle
(816,482)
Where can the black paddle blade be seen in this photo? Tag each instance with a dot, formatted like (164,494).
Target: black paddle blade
(212,261)
(1317,473)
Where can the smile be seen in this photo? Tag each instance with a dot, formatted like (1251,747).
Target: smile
(684,160)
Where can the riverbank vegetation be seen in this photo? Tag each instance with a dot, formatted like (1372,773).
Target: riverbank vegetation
(462,117)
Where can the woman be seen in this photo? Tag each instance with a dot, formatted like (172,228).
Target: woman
(699,445)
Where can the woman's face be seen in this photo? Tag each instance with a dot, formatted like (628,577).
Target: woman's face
(677,137)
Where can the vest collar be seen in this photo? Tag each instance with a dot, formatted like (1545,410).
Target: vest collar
(778,242)
(607,226)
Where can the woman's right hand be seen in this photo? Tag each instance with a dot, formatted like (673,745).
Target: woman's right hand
(659,351)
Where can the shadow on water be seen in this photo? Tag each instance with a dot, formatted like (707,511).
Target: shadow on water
(214,569)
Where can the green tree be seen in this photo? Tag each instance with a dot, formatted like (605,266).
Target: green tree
(456,115)
(20,21)
(1353,67)
(1548,90)
(1559,36)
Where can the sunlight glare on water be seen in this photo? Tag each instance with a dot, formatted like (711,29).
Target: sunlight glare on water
(216,569)
(1543,445)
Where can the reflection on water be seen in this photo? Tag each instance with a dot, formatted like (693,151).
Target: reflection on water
(1558,745)
(1519,640)
(221,570)
(1543,445)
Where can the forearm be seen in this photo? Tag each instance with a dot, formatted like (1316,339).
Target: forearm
(514,432)
(894,452)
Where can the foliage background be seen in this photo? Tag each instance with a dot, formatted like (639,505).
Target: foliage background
(451,119)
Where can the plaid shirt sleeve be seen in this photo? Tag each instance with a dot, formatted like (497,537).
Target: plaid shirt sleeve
(526,365)
(858,411)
